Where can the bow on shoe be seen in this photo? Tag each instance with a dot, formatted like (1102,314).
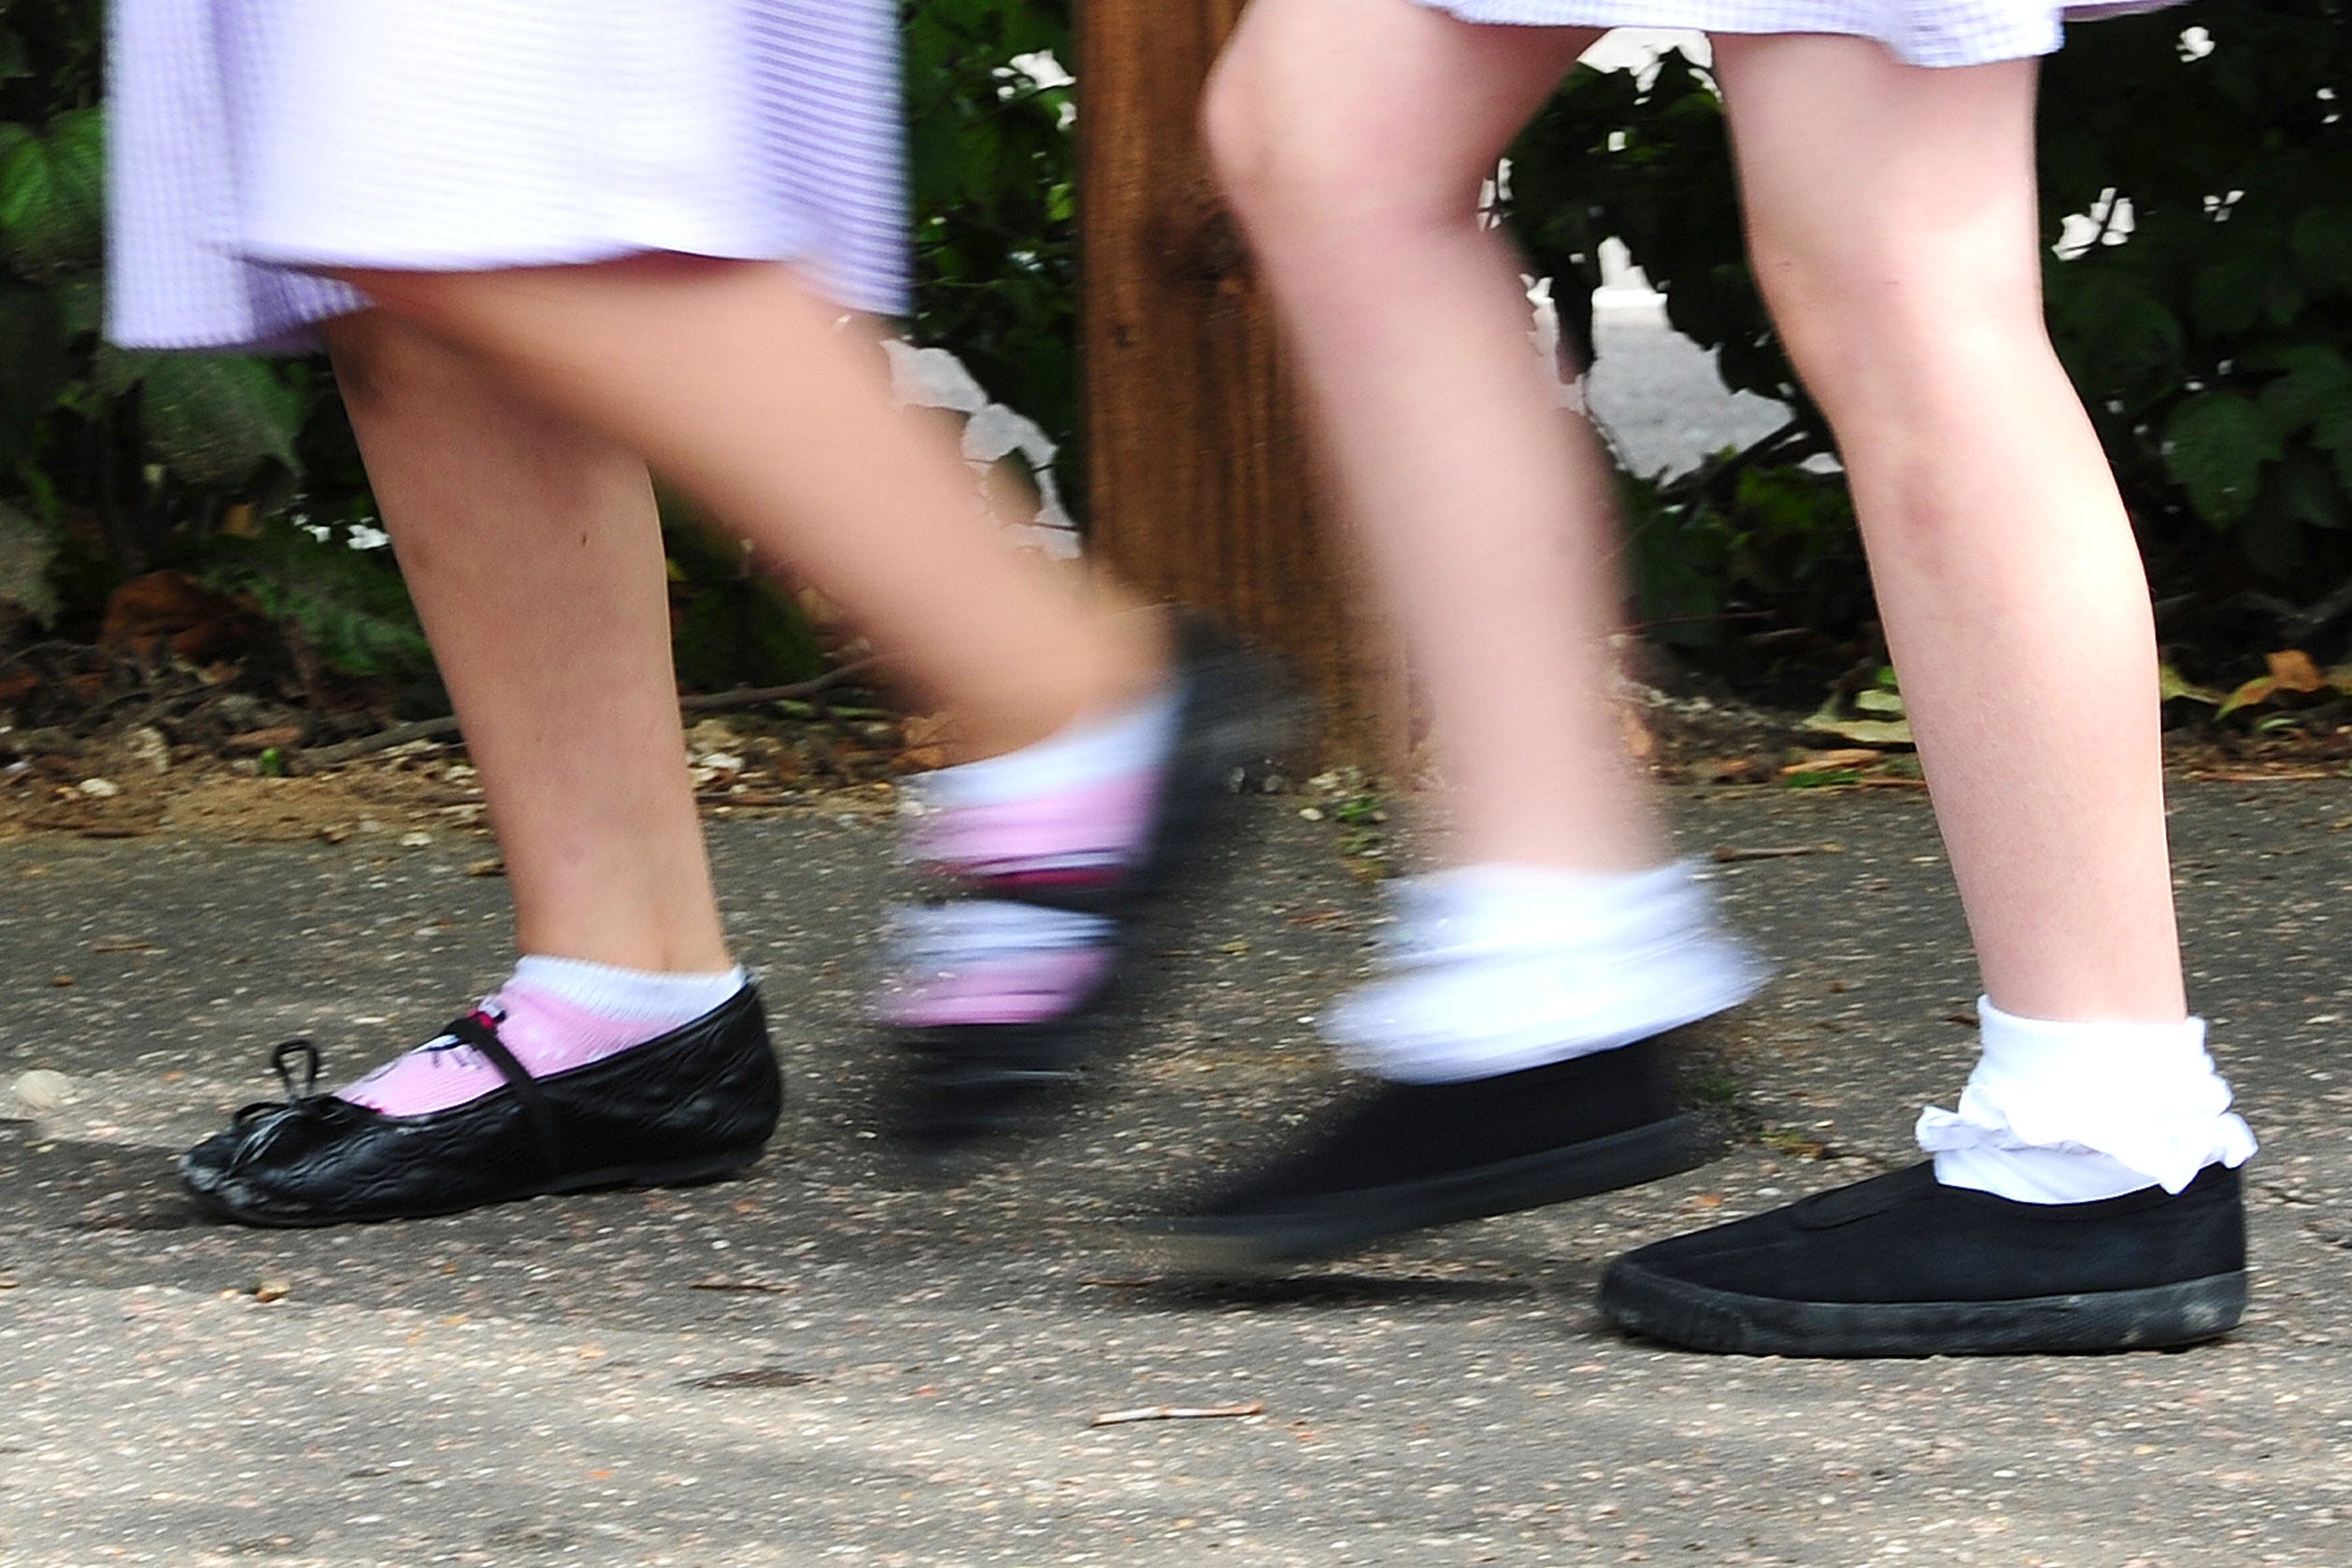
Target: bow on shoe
(265,1122)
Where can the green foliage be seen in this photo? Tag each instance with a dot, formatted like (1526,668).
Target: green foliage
(2214,342)
(729,625)
(1648,162)
(993,163)
(2208,324)
(112,463)
(2213,338)
(26,552)
(52,195)
(120,462)
(347,603)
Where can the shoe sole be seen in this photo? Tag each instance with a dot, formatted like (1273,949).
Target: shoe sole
(682,1173)
(1250,1244)
(1698,1318)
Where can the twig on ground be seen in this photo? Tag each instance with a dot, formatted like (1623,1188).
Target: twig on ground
(752,696)
(435,729)
(1177,1413)
(1726,854)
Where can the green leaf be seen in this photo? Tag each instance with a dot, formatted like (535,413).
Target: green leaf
(352,604)
(213,420)
(2216,445)
(2110,322)
(2170,684)
(2331,431)
(35,371)
(81,303)
(26,552)
(2304,490)
(2320,240)
(118,371)
(733,632)
(2317,381)
(52,197)
(2227,298)
(1861,732)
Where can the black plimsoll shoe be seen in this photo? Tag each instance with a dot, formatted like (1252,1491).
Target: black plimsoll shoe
(1903,1265)
(1414,1155)
(690,1105)
(964,1082)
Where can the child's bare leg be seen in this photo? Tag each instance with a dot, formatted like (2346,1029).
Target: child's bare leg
(1892,212)
(533,554)
(1100,749)
(1352,137)
(746,387)
(1522,1029)
(1892,216)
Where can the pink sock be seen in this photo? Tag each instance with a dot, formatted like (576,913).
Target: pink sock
(554,1014)
(1071,812)
(1072,809)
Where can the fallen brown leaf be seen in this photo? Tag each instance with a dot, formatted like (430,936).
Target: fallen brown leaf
(2293,670)
(252,743)
(1841,757)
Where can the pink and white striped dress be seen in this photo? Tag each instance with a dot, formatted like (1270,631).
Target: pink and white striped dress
(1940,33)
(257,140)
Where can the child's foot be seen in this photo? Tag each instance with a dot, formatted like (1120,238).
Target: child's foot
(2084,1197)
(1522,1031)
(570,1076)
(1414,1155)
(1903,1265)
(1052,858)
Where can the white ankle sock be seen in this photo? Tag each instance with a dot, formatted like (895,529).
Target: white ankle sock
(1494,969)
(637,994)
(2071,1113)
(1133,739)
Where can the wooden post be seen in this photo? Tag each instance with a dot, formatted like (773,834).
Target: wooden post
(1198,470)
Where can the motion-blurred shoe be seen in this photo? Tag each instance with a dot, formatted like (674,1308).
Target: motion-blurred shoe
(1001,984)
(1414,1155)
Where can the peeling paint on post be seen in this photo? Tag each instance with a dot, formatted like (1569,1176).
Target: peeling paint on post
(1197,469)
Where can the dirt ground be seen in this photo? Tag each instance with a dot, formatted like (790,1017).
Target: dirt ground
(131,787)
(137,784)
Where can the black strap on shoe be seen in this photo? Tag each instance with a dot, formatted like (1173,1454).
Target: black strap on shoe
(302,1093)
(262,1123)
(474,1031)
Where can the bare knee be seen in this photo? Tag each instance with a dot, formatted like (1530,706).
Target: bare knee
(1328,163)
(1881,329)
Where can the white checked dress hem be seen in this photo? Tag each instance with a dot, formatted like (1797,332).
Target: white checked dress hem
(256,141)
(1939,32)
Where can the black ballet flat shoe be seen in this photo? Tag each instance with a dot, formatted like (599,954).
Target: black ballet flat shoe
(962,1084)
(1903,1265)
(698,1103)
(1416,1155)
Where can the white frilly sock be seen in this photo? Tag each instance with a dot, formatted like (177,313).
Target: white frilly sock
(1494,969)
(2071,1113)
